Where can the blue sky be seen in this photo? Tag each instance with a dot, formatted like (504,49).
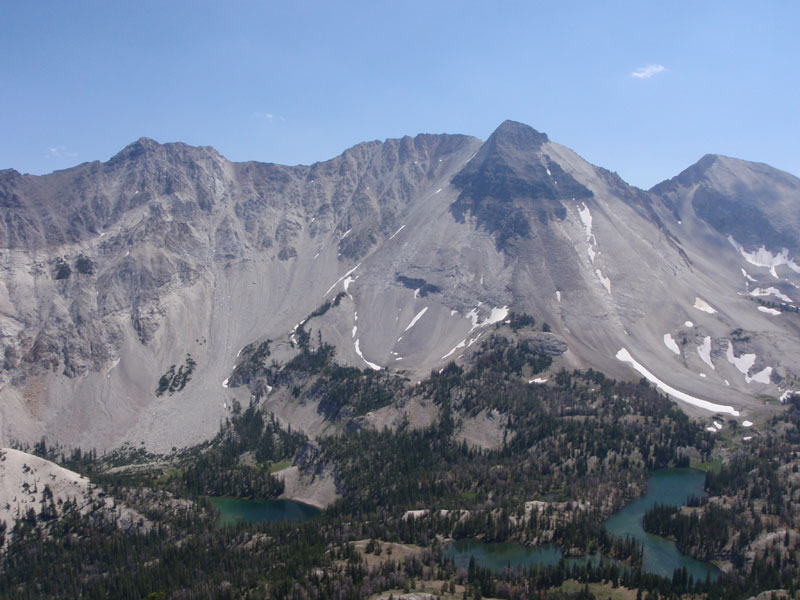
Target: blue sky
(302,81)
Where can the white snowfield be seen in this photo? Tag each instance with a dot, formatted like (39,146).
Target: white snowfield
(701,304)
(398,231)
(771,291)
(604,280)
(787,395)
(342,278)
(371,365)
(704,350)
(586,219)
(460,344)
(769,311)
(497,315)
(625,356)
(744,363)
(764,258)
(671,344)
(416,318)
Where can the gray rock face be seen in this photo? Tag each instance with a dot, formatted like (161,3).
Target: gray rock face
(114,272)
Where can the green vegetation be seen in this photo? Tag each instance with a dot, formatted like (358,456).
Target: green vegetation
(62,269)
(583,444)
(173,381)
(84,266)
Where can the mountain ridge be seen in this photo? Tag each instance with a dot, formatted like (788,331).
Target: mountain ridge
(115,271)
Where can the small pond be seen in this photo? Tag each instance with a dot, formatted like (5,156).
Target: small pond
(236,510)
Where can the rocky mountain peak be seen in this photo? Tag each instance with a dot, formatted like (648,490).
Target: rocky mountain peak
(751,202)
(517,136)
(511,182)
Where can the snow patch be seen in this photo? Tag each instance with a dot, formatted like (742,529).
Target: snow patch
(538,380)
(747,276)
(347,281)
(225,383)
(787,395)
(744,363)
(769,311)
(764,258)
(701,304)
(342,278)
(473,340)
(558,296)
(625,356)
(398,231)
(771,291)
(763,376)
(355,329)
(460,344)
(586,219)
(688,324)
(346,233)
(718,425)
(416,318)
(604,280)
(498,314)
(746,424)
(369,364)
(704,350)
(671,344)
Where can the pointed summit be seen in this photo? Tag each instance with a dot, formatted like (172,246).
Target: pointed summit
(519,136)
(751,202)
(140,147)
(511,181)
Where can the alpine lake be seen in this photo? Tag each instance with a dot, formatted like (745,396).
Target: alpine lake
(660,555)
(236,510)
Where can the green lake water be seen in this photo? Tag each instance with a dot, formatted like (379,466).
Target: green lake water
(498,555)
(661,557)
(235,510)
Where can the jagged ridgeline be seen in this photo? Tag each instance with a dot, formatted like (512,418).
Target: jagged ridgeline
(410,248)
(430,338)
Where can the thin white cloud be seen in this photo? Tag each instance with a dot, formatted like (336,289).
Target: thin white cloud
(59,152)
(648,71)
(267,116)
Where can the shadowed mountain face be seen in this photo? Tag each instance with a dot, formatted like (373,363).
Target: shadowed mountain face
(131,287)
(510,181)
(752,202)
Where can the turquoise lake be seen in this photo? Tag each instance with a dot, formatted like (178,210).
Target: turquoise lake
(235,510)
(660,556)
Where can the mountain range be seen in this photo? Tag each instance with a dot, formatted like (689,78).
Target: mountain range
(135,292)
